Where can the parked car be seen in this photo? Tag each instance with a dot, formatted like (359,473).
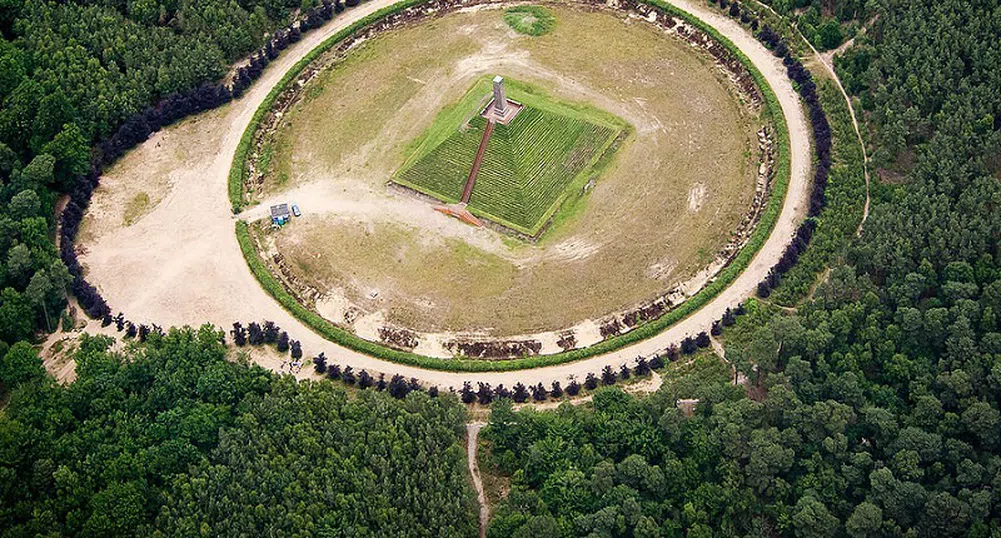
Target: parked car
(295,210)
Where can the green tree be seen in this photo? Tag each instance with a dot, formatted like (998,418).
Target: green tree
(813,520)
(865,522)
(20,364)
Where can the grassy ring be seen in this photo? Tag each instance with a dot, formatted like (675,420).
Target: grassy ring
(340,336)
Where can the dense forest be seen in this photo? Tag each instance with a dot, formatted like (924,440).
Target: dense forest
(168,438)
(875,408)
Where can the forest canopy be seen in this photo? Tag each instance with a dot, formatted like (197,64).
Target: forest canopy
(169,438)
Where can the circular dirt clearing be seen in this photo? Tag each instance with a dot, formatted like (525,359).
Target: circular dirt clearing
(644,213)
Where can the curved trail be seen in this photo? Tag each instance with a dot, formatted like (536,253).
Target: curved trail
(858,133)
(181,264)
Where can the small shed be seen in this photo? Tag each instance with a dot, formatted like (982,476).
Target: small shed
(279,214)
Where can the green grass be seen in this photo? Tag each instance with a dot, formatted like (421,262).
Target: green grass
(529,166)
(328,330)
(136,208)
(530,20)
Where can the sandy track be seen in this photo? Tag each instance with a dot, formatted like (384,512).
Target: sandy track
(472,447)
(181,264)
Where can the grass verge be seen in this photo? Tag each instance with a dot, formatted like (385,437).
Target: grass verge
(773,208)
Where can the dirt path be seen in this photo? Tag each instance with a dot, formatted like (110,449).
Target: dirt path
(828,64)
(181,264)
(827,60)
(472,444)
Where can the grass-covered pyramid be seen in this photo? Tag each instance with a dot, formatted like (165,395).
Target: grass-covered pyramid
(548,150)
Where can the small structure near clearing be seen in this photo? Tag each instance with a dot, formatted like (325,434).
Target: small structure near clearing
(280,214)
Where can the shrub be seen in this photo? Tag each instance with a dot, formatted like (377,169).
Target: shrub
(239,334)
(398,388)
(364,380)
(573,388)
(348,375)
(466,394)
(485,395)
(608,376)
(320,363)
(520,394)
(270,332)
(255,334)
(702,340)
(539,393)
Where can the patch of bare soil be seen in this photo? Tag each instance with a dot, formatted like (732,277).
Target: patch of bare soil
(151,170)
(696,197)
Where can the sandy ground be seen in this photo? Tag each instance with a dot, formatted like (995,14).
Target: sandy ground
(181,264)
(472,444)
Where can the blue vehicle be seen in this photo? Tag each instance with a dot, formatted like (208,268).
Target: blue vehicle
(295,210)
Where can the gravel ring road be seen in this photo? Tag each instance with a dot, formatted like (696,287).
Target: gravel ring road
(181,264)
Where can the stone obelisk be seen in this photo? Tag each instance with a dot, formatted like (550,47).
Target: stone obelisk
(500,100)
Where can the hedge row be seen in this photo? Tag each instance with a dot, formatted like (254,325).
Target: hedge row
(399,387)
(821,131)
(328,330)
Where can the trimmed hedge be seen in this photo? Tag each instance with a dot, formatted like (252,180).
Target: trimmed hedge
(340,336)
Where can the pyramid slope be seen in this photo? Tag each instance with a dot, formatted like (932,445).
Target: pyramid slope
(527,169)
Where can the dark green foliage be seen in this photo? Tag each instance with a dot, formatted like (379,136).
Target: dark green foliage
(171,439)
(18,365)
